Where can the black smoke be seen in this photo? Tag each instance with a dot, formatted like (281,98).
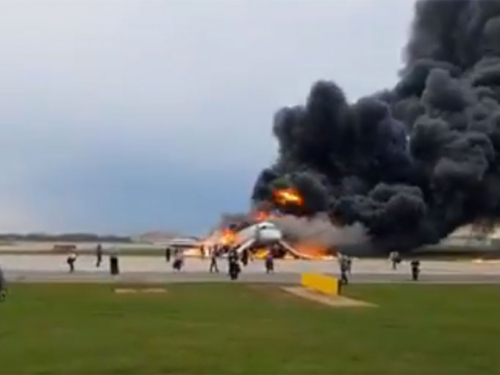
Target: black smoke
(414,162)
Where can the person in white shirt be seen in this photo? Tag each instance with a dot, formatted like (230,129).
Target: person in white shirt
(395,259)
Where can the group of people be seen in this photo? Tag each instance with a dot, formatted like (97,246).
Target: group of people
(396,258)
(217,251)
(345,265)
(73,256)
(234,259)
(177,254)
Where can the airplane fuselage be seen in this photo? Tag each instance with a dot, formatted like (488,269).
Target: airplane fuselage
(263,234)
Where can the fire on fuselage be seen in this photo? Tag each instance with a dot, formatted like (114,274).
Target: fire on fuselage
(262,234)
(228,237)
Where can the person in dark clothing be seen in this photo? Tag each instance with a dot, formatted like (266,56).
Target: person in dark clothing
(114,268)
(344,269)
(234,266)
(213,261)
(98,253)
(415,269)
(179,260)
(3,286)
(232,255)
(71,262)
(244,257)
(168,254)
(269,262)
(234,269)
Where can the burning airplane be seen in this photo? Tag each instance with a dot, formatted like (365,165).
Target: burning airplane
(259,238)
(259,232)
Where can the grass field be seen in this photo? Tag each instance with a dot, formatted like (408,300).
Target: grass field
(231,328)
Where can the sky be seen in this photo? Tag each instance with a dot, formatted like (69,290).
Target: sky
(123,116)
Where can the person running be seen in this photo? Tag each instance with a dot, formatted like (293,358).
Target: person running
(178,260)
(71,262)
(213,261)
(269,262)
(395,259)
(98,253)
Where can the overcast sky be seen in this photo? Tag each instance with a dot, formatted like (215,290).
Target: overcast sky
(128,116)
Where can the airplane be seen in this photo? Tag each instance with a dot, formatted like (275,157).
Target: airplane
(262,235)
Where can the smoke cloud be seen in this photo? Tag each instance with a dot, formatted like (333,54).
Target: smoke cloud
(318,230)
(413,162)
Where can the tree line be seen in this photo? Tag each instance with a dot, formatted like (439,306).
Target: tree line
(67,237)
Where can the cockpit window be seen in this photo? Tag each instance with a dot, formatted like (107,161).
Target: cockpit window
(266,226)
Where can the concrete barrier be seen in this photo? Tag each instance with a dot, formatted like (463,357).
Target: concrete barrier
(321,283)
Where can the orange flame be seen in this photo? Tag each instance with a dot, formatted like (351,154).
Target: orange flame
(287,196)
(261,216)
(228,237)
(312,250)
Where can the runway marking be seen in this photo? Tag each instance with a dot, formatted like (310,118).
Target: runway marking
(139,290)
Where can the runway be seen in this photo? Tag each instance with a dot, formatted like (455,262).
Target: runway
(53,268)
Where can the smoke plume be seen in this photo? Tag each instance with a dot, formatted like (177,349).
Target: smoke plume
(410,163)
(318,230)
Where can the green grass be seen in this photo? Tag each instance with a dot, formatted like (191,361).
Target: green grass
(231,328)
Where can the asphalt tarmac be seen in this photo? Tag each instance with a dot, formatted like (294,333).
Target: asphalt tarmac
(277,278)
(53,268)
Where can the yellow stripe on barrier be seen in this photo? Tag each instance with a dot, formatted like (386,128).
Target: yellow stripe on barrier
(321,283)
